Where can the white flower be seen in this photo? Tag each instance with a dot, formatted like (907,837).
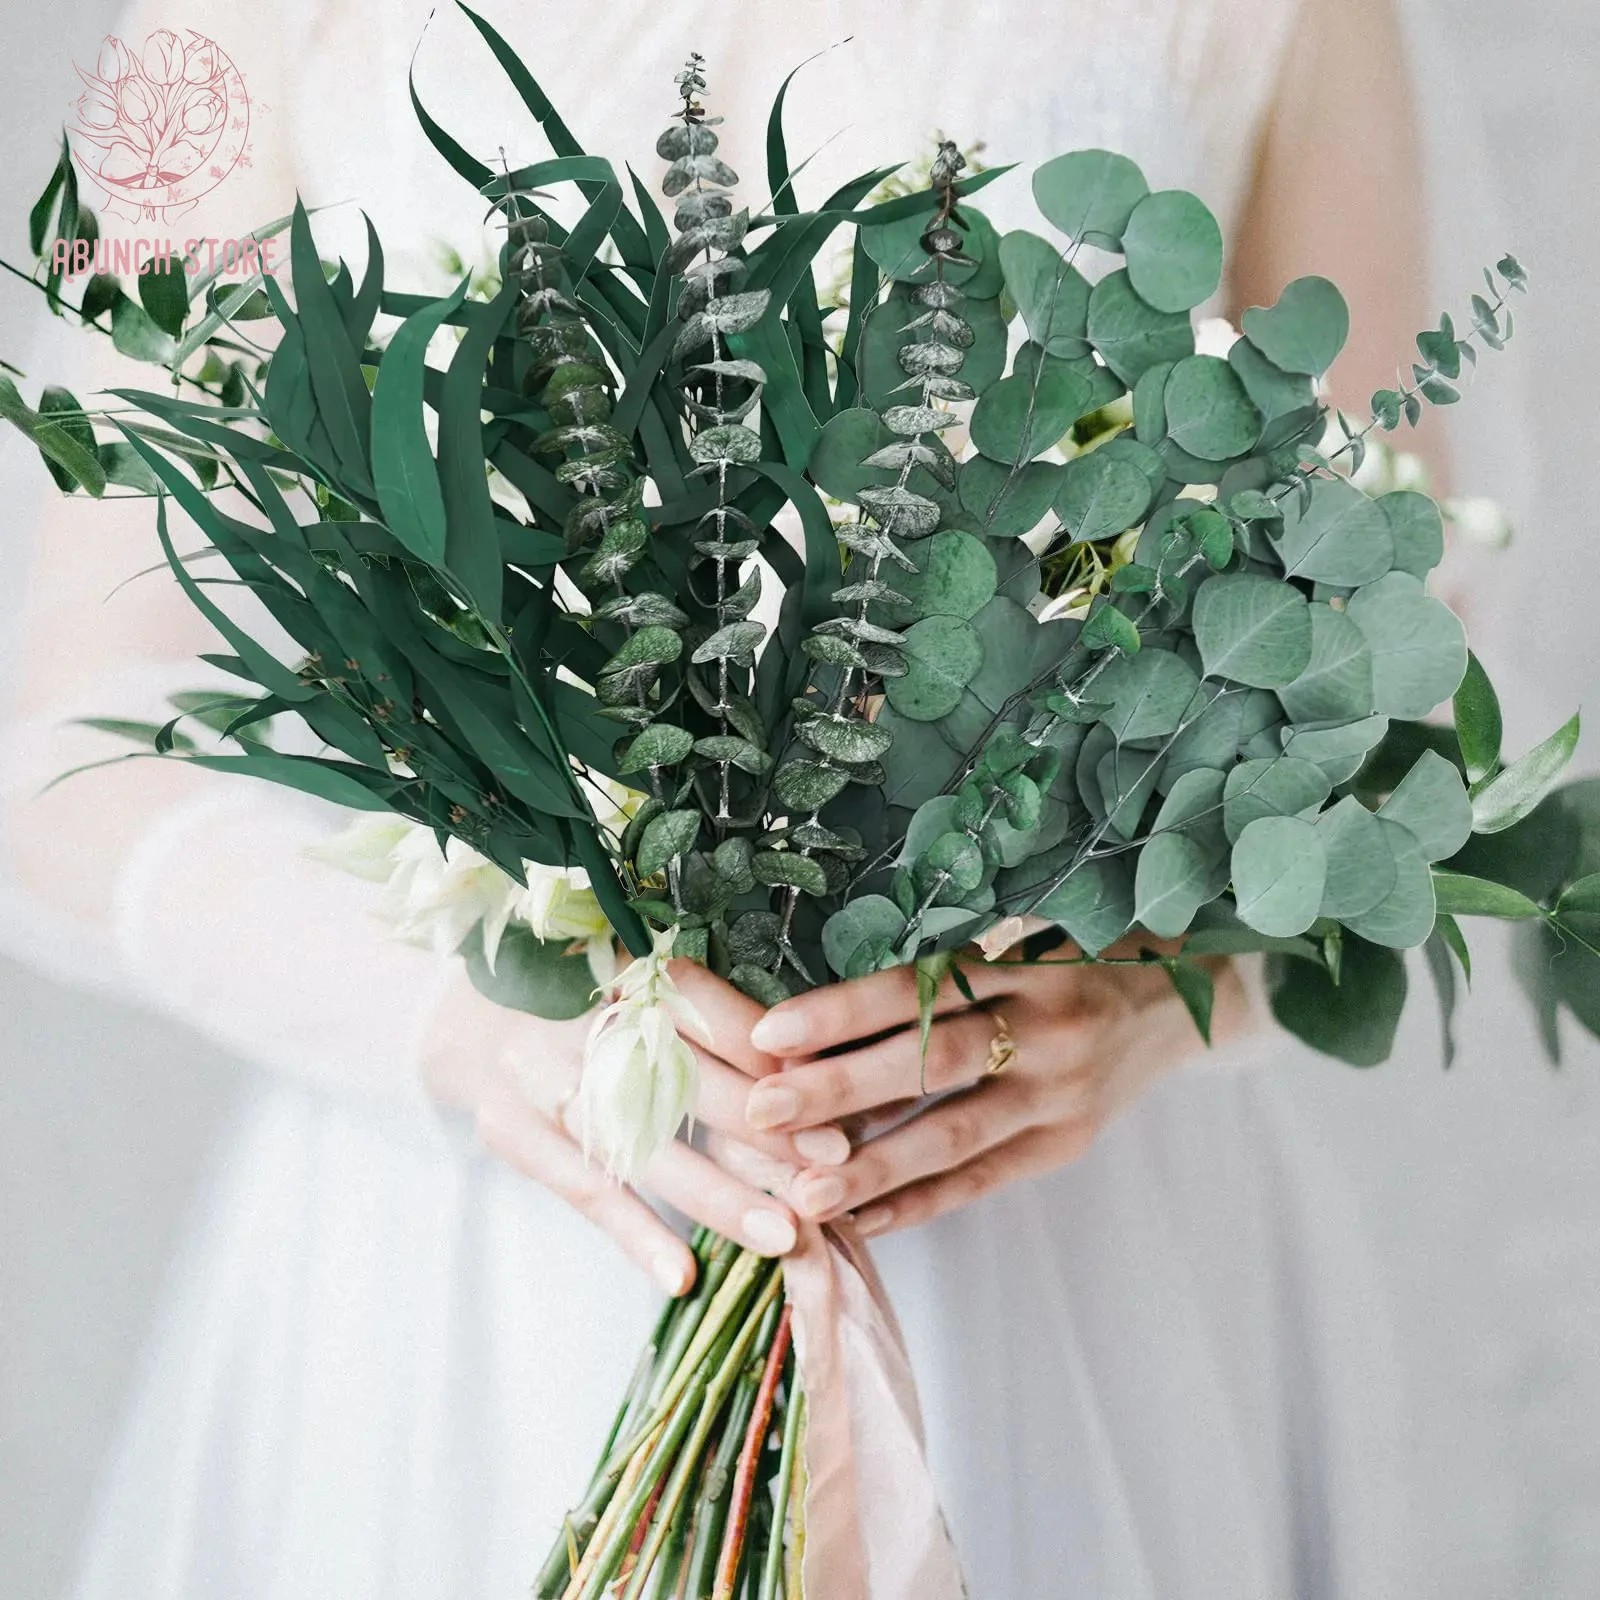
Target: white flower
(640,1078)
(366,848)
(1480,521)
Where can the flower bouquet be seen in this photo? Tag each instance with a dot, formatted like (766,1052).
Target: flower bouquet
(1087,647)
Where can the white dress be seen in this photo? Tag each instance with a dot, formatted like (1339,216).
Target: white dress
(385,1363)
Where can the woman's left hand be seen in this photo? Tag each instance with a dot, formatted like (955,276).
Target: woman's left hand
(1086,1040)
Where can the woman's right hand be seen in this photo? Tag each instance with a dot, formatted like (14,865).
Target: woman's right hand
(517,1076)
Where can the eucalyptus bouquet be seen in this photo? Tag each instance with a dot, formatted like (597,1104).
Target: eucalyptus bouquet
(1087,642)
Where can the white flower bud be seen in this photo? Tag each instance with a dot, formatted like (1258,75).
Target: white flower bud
(1479,520)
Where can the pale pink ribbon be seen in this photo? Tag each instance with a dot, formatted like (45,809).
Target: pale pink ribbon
(874,1526)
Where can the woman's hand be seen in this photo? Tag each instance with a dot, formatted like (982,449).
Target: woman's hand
(518,1075)
(1088,1040)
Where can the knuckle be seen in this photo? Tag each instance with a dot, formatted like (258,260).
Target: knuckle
(957,1132)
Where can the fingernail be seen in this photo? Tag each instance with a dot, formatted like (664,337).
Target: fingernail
(771,1104)
(669,1270)
(778,1031)
(876,1219)
(770,1232)
(825,1147)
(820,1195)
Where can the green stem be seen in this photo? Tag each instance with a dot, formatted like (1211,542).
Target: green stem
(792,1425)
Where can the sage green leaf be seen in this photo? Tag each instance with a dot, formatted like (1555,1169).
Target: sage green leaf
(1193,807)
(1212,736)
(1147,694)
(665,839)
(1197,989)
(1052,296)
(1101,496)
(1336,685)
(1404,917)
(1253,629)
(884,335)
(1209,412)
(1280,870)
(1339,537)
(1109,629)
(60,447)
(1094,903)
(943,655)
(1512,794)
(957,576)
(1458,894)
(1008,501)
(1131,335)
(1127,778)
(403,469)
(933,819)
(954,860)
(808,785)
(1304,331)
(779,869)
(1354,1019)
(741,753)
(1431,800)
(1171,883)
(1582,896)
(1478,724)
(1419,649)
(1174,250)
(728,444)
(871,916)
(660,745)
(847,439)
(766,988)
(1089,195)
(123,466)
(135,334)
(1122,448)
(1015,419)
(897,248)
(1417,529)
(1283,786)
(531,974)
(1340,749)
(1361,866)
(844,738)
(1275,392)
(164,293)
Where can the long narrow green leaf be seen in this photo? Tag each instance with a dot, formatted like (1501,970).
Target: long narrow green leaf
(403,468)
(368,297)
(55,442)
(344,783)
(1513,793)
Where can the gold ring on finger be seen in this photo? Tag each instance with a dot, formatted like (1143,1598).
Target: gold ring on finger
(1002,1048)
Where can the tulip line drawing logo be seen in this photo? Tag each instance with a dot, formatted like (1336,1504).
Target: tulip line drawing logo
(158,128)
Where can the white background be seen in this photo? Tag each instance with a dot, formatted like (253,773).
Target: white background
(1480,1189)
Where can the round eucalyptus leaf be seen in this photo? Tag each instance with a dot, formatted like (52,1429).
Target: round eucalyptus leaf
(1185,468)
(1361,869)
(1212,738)
(1280,870)
(1404,917)
(1275,392)
(1016,649)
(1006,501)
(846,440)
(896,247)
(1052,296)
(957,576)
(943,655)
(1122,448)
(1101,496)
(1130,334)
(1174,250)
(1170,884)
(1304,331)
(1342,537)
(531,974)
(1209,412)
(1253,629)
(1089,195)
(1150,405)
(1094,903)
(1337,683)
(1419,649)
(1147,694)
(956,859)
(884,336)
(1193,807)
(1340,748)
(872,916)
(933,819)
(1431,800)
(1417,529)
(1127,778)
(1281,786)
(1017,418)
(919,762)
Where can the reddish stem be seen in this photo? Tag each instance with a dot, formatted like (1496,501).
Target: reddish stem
(744,1477)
